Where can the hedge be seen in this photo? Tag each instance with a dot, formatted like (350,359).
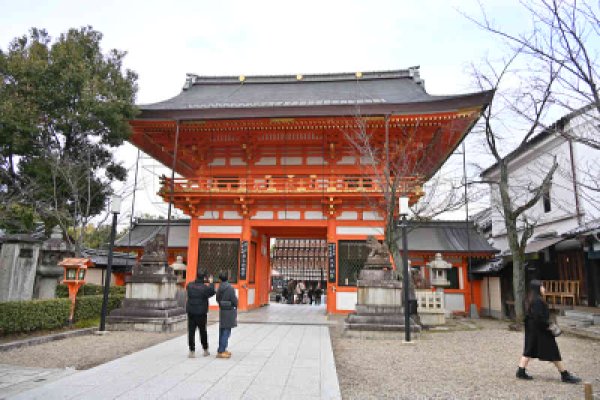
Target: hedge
(89,290)
(27,316)
(88,307)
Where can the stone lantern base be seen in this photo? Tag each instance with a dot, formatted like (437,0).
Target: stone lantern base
(379,310)
(150,302)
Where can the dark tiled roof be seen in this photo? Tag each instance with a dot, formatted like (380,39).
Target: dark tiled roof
(145,230)
(122,262)
(345,91)
(447,237)
(491,267)
(540,137)
(589,227)
(483,219)
(431,236)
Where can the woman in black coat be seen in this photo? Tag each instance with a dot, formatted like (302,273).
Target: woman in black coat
(539,341)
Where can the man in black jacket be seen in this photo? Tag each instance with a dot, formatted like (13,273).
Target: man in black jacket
(198,293)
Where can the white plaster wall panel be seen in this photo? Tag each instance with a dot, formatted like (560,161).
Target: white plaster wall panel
(263,215)
(266,161)
(371,216)
(291,160)
(495,293)
(461,284)
(220,229)
(209,214)
(231,215)
(587,162)
(94,276)
(347,160)
(236,161)
(217,162)
(315,161)
(313,215)
(454,302)
(358,230)
(348,215)
(345,300)
(251,295)
(531,168)
(294,215)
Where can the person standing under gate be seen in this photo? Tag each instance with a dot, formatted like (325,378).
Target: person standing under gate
(198,293)
(291,291)
(300,290)
(318,293)
(228,304)
(311,293)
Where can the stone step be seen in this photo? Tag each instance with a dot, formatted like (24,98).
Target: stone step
(374,327)
(375,319)
(378,309)
(574,321)
(581,314)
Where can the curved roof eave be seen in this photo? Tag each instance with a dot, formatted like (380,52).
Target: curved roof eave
(435,105)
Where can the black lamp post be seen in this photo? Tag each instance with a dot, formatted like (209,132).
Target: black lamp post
(115,209)
(405,281)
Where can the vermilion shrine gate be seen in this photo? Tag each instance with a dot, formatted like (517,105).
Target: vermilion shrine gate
(269,156)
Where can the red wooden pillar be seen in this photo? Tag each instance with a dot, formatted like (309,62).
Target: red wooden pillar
(192,256)
(243,283)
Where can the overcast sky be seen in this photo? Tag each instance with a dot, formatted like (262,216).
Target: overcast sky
(166,40)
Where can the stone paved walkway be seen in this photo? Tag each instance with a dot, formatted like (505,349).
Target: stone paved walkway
(15,379)
(269,361)
(293,314)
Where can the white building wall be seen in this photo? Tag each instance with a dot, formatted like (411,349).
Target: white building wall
(529,169)
(491,302)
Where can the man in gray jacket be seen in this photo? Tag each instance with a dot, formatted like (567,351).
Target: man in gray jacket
(228,303)
(198,293)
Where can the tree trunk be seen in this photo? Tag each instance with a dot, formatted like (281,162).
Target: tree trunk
(518,258)
(512,235)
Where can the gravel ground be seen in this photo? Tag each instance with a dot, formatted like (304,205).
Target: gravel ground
(84,352)
(459,364)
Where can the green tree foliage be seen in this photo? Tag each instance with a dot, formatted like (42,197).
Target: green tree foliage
(64,107)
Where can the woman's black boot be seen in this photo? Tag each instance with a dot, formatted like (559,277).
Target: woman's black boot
(522,374)
(565,376)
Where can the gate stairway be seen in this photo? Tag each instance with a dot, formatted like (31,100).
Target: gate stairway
(581,322)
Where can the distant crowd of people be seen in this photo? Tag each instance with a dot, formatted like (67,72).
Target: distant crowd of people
(298,292)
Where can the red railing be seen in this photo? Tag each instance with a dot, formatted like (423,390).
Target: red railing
(291,184)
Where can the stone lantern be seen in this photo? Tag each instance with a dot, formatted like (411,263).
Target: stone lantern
(180,269)
(48,271)
(439,271)
(74,278)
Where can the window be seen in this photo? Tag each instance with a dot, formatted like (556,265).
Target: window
(546,198)
(352,255)
(216,255)
(452,275)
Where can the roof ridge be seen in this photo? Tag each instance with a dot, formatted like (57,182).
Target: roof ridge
(411,72)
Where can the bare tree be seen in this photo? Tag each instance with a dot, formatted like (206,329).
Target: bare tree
(527,103)
(396,163)
(565,35)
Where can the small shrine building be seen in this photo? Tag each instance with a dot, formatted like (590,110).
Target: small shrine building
(261,157)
